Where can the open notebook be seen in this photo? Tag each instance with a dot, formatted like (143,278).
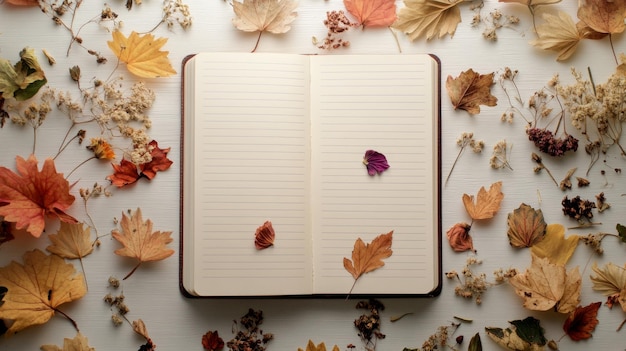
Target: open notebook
(281,138)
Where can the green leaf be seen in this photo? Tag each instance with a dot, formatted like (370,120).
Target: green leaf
(530,330)
(475,344)
(621,230)
(23,80)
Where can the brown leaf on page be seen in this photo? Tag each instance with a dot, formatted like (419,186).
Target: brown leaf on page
(470,90)
(140,242)
(582,321)
(274,16)
(558,33)
(526,226)
(79,343)
(368,257)
(372,13)
(486,204)
(429,18)
(603,16)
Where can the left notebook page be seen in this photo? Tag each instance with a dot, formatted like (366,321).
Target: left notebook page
(246,161)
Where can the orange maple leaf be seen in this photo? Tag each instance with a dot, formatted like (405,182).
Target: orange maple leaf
(28,196)
(159,162)
(487,202)
(372,13)
(368,257)
(140,242)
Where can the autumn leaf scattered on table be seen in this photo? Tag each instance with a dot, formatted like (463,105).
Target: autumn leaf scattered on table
(429,18)
(526,226)
(470,90)
(140,242)
(24,79)
(368,257)
(79,343)
(475,343)
(372,13)
(545,286)
(459,238)
(554,246)
(582,321)
(610,280)
(558,33)
(310,346)
(212,341)
(127,172)
(72,241)
(273,16)
(487,203)
(525,335)
(37,288)
(142,54)
(603,16)
(27,197)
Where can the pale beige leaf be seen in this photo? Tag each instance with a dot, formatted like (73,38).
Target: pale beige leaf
(541,286)
(611,281)
(603,16)
(487,203)
(79,343)
(558,33)
(72,241)
(428,18)
(274,16)
(571,294)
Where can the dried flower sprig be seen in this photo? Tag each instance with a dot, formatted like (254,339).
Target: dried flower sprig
(594,240)
(251,338)
(466,139)
(493,22)
(541,166)
(473,285)
(499,158)
(174,12)
(439,340)
(368,325)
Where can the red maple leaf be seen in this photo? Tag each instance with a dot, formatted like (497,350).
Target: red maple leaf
(124,174)
(582,321)
(30,195)
(159,162)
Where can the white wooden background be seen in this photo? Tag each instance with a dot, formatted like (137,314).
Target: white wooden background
(177,323)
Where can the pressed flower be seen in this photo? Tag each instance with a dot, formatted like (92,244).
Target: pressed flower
(264,236)
(375,162)
(101,149)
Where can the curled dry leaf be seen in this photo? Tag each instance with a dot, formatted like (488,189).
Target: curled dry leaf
(24,79)
(470,90)
(274,16)
(487,203)
(429,18)
(140,242)
(603,16)
(375,162)
(264,236)
(127,173)
(310,346)
(142,54)
(27,197)
(526,226)
(554,246)
(525,335)
(545,286)
(558,33)
(72,241)
(582,321)
(79,343)
(36,288)
(212,341)
(610,280)
(368,257)
(372,13)
(459,238)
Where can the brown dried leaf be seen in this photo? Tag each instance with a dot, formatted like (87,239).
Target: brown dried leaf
(558,33)
(429,18)
(526,226)
(554,246)
(272,16)
(72,241)
(470,90)
(487,202)
(79,343)
(603,16)
(582,321)
(368,257)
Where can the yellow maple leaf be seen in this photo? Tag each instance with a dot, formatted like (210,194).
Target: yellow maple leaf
(140,242)
(142,54)
(72,241)
(429,18)
(310,346)
(558,33)
(78,343)
(554,246)
(37,288)
(487,202)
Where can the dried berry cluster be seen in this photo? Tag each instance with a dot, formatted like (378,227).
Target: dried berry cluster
(337,23)
(368,325)
(251,338)
(550,144)
(578,208)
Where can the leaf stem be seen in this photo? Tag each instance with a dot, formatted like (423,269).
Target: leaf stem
(454,164)
(80,164)
(134,269)
(68,318)
(258,39)
(395,36)
(613,49)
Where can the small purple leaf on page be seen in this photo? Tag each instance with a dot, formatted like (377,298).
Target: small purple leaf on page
(375,162)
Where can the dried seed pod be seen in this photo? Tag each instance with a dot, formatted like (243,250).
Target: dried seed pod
(264,236)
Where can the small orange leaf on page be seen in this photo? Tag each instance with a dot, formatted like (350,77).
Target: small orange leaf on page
(603,16)
(470,90)
(142,54)
(140,242)
(581,323)
(487,203)
(274,16)
(368,257)
(28,196)
(36,288)
(372,13)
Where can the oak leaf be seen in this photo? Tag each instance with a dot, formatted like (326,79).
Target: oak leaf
(37,288)
(545,286)
(310,346)
(487,203)
(554,246)
(24,79)
(372,13)
(611,282)
(526,226)
(142,54)
(368,257)
(79,343)
(558,33)
(470,90)
(140,242)
(603,16)
(429,18)
(525,335)
(274,16)
(30,195)
(72,241)
(582,321)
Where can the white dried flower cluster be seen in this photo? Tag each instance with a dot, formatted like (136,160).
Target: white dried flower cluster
(35,113)
(467,138)
(499,158)
(175,11)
